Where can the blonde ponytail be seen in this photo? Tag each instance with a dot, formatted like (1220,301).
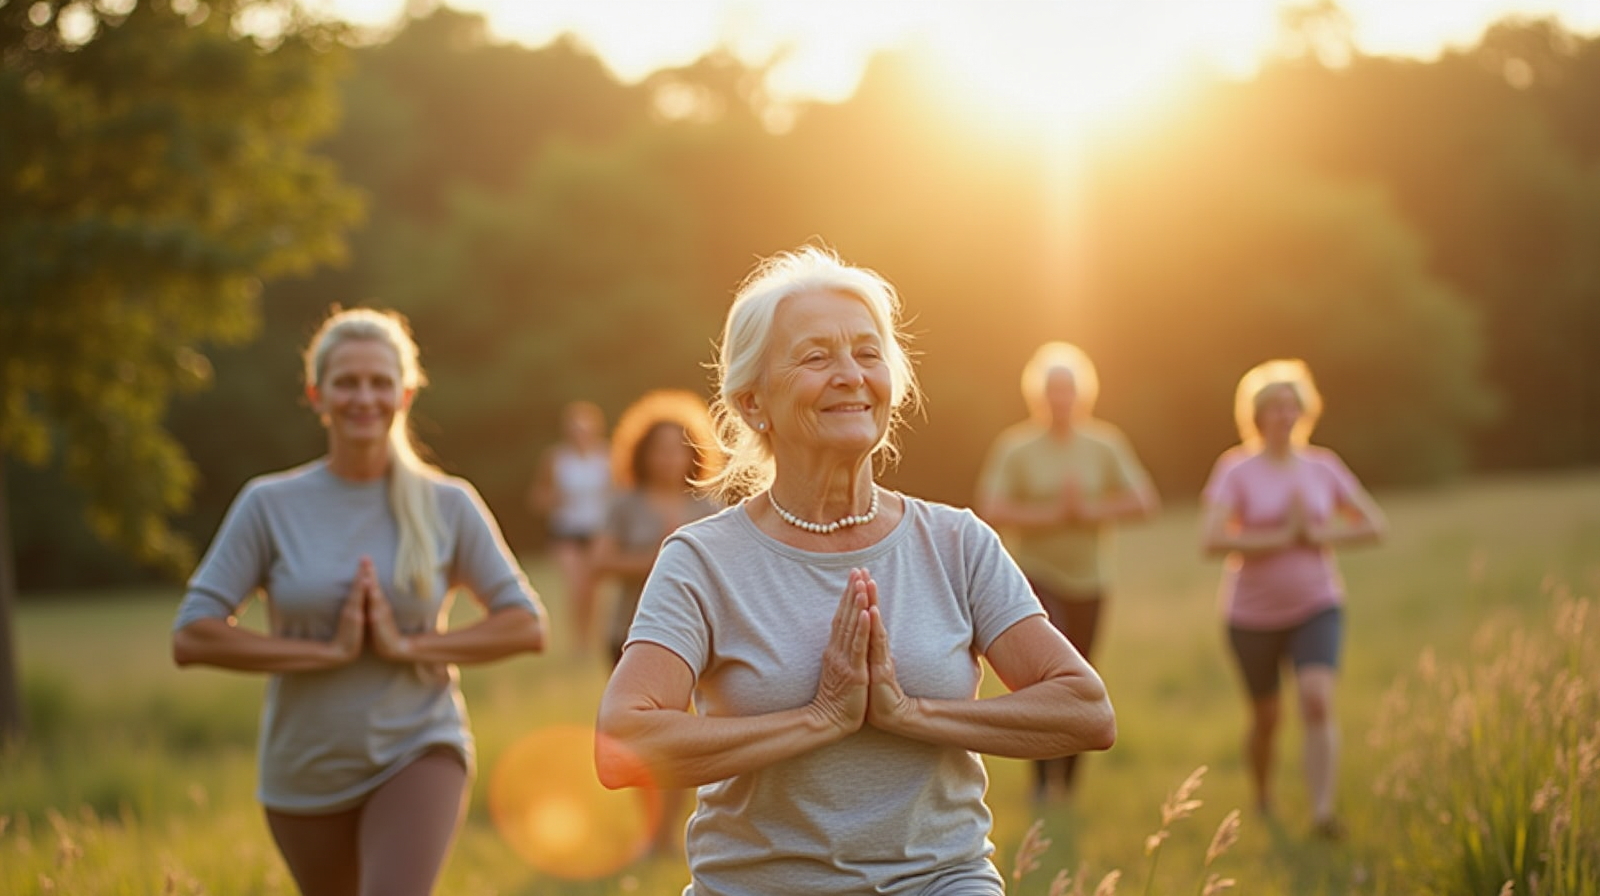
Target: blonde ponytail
(411,479)
(416,510)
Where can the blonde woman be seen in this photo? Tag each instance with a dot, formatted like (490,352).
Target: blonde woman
(365,754)
(1277,506)
(1055,486)
(828,631)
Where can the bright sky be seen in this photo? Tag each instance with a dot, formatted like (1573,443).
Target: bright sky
(1060,63)
(829,40)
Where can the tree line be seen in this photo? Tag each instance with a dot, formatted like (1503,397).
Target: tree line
(1423,233)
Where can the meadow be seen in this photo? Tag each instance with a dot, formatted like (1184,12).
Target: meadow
(1470,708)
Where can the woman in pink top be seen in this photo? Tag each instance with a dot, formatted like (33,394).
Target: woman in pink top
(1276,506)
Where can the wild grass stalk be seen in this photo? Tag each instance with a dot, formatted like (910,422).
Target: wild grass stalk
(1494,763)
(1179,805)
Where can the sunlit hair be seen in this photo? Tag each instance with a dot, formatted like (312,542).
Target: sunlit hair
(1258,381)
(746,338)
(411,478)
(1053,356)
(638,424)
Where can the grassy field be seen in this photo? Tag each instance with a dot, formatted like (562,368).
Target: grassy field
(137,778)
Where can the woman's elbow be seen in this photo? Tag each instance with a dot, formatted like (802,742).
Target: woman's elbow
(534,633)
(615,764)
(1100,731)
(188,647)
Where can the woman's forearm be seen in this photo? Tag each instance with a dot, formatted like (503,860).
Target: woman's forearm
(219,642)
(1136,504)
(1055,717)
(496,636)
(1358,532)
(640,745)
(1251,542)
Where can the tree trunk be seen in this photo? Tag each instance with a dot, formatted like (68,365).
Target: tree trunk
(10,696)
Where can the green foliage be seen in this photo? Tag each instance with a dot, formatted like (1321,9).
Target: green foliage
(1494,765)
(1420,232)
(1302,268)
(154,173)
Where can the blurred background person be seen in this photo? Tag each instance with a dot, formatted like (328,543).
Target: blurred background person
(572,492)
(663,444)
(365,754)
(1054,485)
(828,632)
(1276,506)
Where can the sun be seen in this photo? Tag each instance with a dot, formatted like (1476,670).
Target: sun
(1063,69)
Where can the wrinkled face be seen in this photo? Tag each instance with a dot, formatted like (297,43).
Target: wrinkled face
(360,391)
(668,458)
(1060,393)
(1277,411)
(826,386)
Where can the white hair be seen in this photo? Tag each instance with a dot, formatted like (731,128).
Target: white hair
(411,494)
(1053,356)
(746,339)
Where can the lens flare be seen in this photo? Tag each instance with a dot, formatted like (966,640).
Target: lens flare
(551,809)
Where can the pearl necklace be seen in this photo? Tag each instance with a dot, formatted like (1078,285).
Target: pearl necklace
(827,528)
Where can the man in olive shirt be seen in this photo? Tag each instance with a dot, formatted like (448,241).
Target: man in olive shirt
(1053,485)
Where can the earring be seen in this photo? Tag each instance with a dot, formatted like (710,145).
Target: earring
(761,427)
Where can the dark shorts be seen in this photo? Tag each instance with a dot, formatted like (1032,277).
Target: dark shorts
(1075,614)
(581,539)
(1260,654)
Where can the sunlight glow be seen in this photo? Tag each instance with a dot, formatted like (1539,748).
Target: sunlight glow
(549,807)
(1060,64)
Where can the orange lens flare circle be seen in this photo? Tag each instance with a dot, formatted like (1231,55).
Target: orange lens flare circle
(550,807)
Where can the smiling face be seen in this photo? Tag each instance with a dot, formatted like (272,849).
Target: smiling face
(360,391)
(1278,411)
(826,387)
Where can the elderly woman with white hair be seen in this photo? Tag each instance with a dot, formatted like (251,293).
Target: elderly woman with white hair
(1276,506)
(828,631)
(1054,486)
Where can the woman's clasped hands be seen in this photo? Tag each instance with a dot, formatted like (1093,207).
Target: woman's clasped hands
(858,684)
(366,617)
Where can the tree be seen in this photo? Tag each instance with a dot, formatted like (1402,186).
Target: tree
(154,168)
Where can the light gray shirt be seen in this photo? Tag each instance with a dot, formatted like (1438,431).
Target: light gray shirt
(874,812)
(330,737)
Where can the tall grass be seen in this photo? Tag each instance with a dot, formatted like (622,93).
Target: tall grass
(138,778)
(1494,763)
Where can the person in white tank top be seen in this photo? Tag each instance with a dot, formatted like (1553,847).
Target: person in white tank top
(572,492)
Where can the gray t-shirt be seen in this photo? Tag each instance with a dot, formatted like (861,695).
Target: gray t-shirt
(330,737)
(873,812)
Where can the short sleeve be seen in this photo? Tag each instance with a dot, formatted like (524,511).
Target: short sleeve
(998,592)
(483,563)
(672,609)
(1126,473)
(996,479)
(1219,488)
(1345,484)
(234,566)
